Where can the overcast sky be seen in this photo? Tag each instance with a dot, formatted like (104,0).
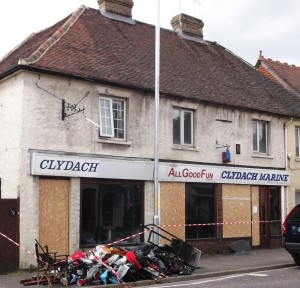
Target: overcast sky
(242,26)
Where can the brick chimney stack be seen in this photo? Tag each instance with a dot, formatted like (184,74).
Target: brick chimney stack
(188,26)
(122,8)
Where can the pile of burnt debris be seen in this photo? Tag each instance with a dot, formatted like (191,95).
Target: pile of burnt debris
(105,265)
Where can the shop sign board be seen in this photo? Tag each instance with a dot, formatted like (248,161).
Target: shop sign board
(223,174)
(74,166)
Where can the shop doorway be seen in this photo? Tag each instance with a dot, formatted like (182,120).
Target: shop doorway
(9,226)
(54,214)
(269,216)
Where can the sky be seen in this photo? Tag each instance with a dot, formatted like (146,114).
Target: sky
(242,26)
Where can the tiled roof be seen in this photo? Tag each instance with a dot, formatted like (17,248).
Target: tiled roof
(282,73)
(86,44)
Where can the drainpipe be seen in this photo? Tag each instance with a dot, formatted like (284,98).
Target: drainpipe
(283,189)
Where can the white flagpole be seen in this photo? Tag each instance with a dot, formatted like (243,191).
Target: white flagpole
(156,138)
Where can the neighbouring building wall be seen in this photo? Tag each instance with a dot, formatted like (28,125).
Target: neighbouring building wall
(293,163)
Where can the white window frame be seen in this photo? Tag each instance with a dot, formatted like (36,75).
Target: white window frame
(102,131)
(258,123)
(297,141)
(297,196)
(182,111)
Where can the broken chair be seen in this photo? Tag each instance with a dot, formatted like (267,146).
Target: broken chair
(49,265)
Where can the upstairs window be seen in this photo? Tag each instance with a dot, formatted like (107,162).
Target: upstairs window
(260,136)
(182,127)
(297,132)
(112,118)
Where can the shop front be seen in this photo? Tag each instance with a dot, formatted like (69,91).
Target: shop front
(99,200)
(107,199)
(222,204)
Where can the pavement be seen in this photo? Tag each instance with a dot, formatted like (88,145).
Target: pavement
(210,266)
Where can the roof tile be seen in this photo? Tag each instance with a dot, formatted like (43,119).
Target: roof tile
(90,45)
(283,73)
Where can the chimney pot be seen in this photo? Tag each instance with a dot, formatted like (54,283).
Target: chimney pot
(187,26)
(118,7)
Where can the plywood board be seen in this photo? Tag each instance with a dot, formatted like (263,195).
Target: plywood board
(172,208)
(236,208)
(54,214)
(255,216)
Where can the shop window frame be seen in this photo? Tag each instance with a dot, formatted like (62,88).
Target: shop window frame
(114,182)
(215,214)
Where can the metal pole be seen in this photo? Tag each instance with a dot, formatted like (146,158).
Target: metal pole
(156,138)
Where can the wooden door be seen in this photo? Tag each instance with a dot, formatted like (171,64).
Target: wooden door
(9,226)
(54,214)
(269,215)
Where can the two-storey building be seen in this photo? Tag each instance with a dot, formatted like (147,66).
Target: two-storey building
(77,114)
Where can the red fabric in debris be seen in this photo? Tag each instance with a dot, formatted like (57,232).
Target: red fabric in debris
(132,259)
(77,255)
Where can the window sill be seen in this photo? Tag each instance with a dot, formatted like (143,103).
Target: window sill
(117,142)
(297,159)
(187,148)
(262,156)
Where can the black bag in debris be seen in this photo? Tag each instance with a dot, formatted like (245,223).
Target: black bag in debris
(173,264)
(145,248)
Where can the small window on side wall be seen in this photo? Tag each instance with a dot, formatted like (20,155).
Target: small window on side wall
(260,137)
(297,137)
(182,127)
(112,117)
(297,197)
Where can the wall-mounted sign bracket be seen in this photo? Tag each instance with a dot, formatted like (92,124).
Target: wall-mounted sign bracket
(71,108)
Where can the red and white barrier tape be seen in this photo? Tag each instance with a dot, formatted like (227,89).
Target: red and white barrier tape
(221,223)
(137,234)
(115,242)
(32,254)
(17,244)
(116,275)
(129,237)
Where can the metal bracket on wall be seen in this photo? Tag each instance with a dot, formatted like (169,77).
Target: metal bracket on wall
(218,145)
(70,107)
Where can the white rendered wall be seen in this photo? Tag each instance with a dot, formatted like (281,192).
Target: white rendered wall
(31,119)
(11,115)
